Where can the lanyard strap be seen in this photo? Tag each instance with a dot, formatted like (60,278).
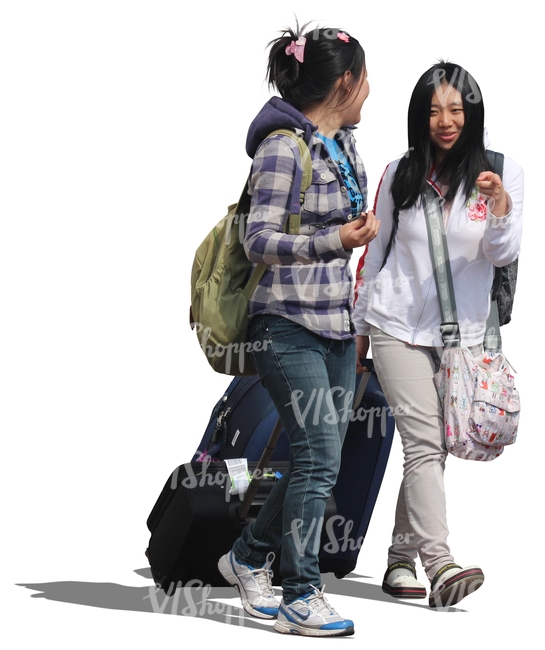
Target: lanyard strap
(433,208)
(450,330)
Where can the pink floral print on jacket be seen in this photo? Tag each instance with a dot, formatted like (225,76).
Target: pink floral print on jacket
(476,205)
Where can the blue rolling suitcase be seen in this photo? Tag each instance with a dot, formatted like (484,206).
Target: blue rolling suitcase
(241,424)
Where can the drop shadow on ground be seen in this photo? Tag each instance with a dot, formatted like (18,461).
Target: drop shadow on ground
(201,601)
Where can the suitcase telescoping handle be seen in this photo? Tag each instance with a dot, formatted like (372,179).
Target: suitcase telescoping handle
(242,510)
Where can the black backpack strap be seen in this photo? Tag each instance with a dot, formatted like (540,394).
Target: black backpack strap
(496,161)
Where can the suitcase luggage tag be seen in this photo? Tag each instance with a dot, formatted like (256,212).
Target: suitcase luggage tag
(238,475)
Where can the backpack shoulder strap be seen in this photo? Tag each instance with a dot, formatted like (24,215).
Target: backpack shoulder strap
(496,160)
(303,177)
(492,339)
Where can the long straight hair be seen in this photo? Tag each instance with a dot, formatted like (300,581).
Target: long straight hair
(466,159)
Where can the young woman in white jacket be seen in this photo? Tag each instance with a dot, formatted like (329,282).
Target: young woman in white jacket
(398,306)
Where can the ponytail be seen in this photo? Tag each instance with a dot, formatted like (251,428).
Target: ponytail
(304,67)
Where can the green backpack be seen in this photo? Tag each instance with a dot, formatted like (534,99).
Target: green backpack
(222,285)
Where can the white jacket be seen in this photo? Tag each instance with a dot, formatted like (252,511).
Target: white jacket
(401,299)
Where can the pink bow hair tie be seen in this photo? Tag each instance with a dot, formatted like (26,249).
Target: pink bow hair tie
(297,48)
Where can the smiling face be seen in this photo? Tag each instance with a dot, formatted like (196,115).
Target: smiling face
(446,120)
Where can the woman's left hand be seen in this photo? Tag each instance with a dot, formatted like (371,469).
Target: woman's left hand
(491,186)
(360,231)
(362,348)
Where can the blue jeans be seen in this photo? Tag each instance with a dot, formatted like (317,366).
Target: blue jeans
(311,381)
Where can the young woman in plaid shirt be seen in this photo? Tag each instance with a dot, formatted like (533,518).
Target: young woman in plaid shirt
(301,312)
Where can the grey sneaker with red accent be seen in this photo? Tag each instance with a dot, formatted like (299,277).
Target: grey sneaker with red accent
(452,583)
(400,581)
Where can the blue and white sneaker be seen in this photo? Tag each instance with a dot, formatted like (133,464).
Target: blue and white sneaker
(312,615)
(254,585)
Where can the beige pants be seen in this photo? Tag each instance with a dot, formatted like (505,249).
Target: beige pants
(406,374)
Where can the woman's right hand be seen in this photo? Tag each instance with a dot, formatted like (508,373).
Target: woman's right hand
(360,231)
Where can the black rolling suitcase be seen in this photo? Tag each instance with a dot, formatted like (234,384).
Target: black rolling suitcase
(198,525)
(195,520)
(241,423)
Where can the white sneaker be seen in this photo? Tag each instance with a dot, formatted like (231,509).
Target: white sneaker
(312,615)
(254,585)
(452,583)
(400,581)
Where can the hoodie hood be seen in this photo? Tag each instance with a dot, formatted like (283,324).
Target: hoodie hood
(276,114)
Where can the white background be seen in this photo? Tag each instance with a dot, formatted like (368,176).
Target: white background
(122,141)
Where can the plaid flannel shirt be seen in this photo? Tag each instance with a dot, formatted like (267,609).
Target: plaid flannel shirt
(309,280)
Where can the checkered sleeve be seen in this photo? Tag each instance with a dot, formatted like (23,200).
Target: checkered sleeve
(271,187)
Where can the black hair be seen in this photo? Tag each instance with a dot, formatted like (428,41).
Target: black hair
(326,58)
(466,159)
